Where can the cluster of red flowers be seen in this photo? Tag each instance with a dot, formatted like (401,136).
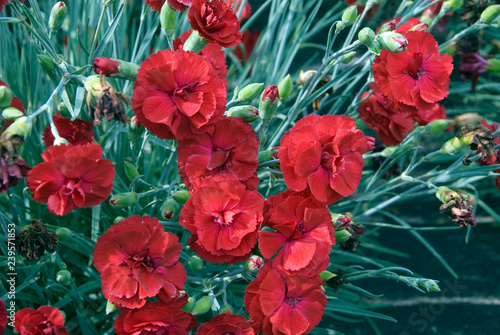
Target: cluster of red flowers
(407,85)
(44,320)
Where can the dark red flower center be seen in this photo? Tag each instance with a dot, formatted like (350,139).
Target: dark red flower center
(212,19)
(218,158)
(331,157)
(137,261)
(70,186)
(154,330)
(414,66)
(228,333)
(183,92)
(292,301)
(300,227)
(224,218)
(44,328)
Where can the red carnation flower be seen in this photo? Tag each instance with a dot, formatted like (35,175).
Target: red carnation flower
(224,218)
(212,51)
(215,21)
(44,320)
(303,235)
(16,103)
(224,324)
(323,154)
(179,5)
(72,176)
(177,93)
(230,147)
(417,78)
(246,12)
(436,113)
(78,132)
(155,318)
(390,124)
(244,50)
(3,317)
(137,259)
(281,304)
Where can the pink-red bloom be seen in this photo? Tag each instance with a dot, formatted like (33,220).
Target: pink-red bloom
(137,259)
(438,112)
(215,21)
(324,154)
(155,318)
(303,234)
(224,324)
(390,123)
(223,217)
(45,320)
(177,94)
(281,304)
(179,5)
(417,78)
(71,176)
(230,147)
(78,132)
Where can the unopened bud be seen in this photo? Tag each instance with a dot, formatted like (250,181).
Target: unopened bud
(366,36)
(46,62)
(21,127)
(63,277)
(118,219)
(285,88)
(490,14)
(350,15)
(246,113)
(254,263)
(57,15)
(431,286)
(135,129)
(115,68)
(181,196)
(327,275)
(269,102)
(393,42)
(340,25)
(110,308)
(267,155)
(167,19)
(250,91)
(126,199)
(342,235)
(11,113)
(494,65)
(189,306)
(451,6)
(347,58)
(388,26)
(64,234)
(456,144)
(5,96)
(375,48)
(195,262)
(420,27)
(225,308)
(202,306)
(437,126)
(170,209)
(130,170)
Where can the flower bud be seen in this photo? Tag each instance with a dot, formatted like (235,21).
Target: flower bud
(420,27)
(451,6)
(118,219)
(387,27)
(194,43)
(181,196)
(21,127)
(130,170)
(342,235)
(63,277)
(458,206)
(375,47)
(246,113)
(366,36)
(254,263)
(494,65)
(167,19)
(11,113)
(350,15)
(340,26)
(347,58)
(195,262)
(126,199)
(57,15)
(268,104)
(490,14)
(5,96)
(431,286)
(46,62)
(64,234)
(110,308)
(135,129)
(393,42)
(115,68)
(327,275)
(437,126)
(456,145)
(189,306)
(250,91)
(202,306)
(285,88)
(226,307)
(267,155)
(170,209)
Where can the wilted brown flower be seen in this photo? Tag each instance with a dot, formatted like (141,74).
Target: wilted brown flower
(482,140)
(12,166)
(355,229)
(457,205)
(109,103)
(34,240)
(304,78)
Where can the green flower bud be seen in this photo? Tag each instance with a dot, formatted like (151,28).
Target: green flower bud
(46,62)
(285,87)
(63,277)
(195,262)
(431,286)
(269,102)
(350,15)
(249,92)
(115,68)
(170,209)
(5,96)
(340,26)
(375,47)
(189,306)
(57,15)
(494,65)
(110,308)
(63,110)
(246,113)
(21,127)
(11,113)
(130,170)
(490,14)
(456,144)
(327,275)
(366,36)
(437,126)
(167,19)
(194,43)
(135,130)
(342,235)
(267,155)
(347,58)
(118,219)
(451,6)
(202,306)
(393,42)
(64,234)
(126,199)
(181,196)
(388,26)
(225,308)
(254,263)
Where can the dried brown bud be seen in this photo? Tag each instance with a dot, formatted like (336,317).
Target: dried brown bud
(457,205)
(482,140)
(109,103)
(304,77)
(12,166)
(34,240)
